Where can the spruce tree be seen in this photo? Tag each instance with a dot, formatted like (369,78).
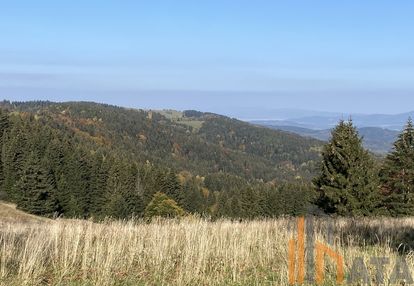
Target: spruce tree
(134,196)
(397,175)
(172,187)
(249,203)
(4,125)
(80,179)
(4,121)
(37,194)
(151,180)
(114,201)
(99,178)
(347,183)
(14,153)
(74,184)
(224,208)
(193,197)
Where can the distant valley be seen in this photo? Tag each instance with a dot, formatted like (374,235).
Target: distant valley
(376,139)
(379,131)
(327,120)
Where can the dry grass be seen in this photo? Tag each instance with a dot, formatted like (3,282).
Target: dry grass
(179,118)
(9,214)
(187,252)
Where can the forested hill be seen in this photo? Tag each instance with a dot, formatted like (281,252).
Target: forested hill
(202,143)
(86,159)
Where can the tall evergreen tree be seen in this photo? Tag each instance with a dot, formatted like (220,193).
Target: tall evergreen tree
(114,200)
(37,194)
(150,179)
(172,187)
(193,197)
(13,156)
(4,121)
(347,183)
(74,184)
(4,125)
(397,174)
(249,203)
(134,195)
(99,178)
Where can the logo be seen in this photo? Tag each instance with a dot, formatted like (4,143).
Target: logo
(307,256)
(297,257)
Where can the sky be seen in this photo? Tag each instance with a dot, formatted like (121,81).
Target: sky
(224,56)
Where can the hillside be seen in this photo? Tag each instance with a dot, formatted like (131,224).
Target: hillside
(9,214)
(201,142)
(91,160)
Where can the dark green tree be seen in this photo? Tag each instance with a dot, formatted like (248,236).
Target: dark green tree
(397,175)
(4,126)
(193,200)
(249,203)
(115,205)
(124,191)
(15,150)
(4,121)
(172,187)
(134,195)
(348,181)
(37,194)
(74,184)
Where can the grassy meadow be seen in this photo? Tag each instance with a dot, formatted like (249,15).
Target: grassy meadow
(191,251)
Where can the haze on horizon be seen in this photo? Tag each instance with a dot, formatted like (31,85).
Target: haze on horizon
(231,57)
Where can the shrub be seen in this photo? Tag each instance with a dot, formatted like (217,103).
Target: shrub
(163,206)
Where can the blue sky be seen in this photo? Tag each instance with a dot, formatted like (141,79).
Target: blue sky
(217,55)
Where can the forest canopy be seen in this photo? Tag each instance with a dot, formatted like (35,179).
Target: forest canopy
(86,160)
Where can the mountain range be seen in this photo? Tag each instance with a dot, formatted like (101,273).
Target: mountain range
(325,120)
(379,131)
(376,139)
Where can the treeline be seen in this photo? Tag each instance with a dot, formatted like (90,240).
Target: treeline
(48,168)
(89,160)
(352,183)
(220,145)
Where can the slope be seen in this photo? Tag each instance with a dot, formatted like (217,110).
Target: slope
(201,142)
(9,214)
(86,160)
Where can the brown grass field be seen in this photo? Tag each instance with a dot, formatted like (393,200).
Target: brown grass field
(191,251)
(9,214)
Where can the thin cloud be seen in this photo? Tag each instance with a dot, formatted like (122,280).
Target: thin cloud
(25,76)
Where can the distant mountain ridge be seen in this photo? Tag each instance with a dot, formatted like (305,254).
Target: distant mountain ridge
(379,131)
(377,140)
(326,120)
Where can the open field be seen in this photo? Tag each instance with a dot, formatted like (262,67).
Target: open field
(9,214)
(178,117)
(186,252)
